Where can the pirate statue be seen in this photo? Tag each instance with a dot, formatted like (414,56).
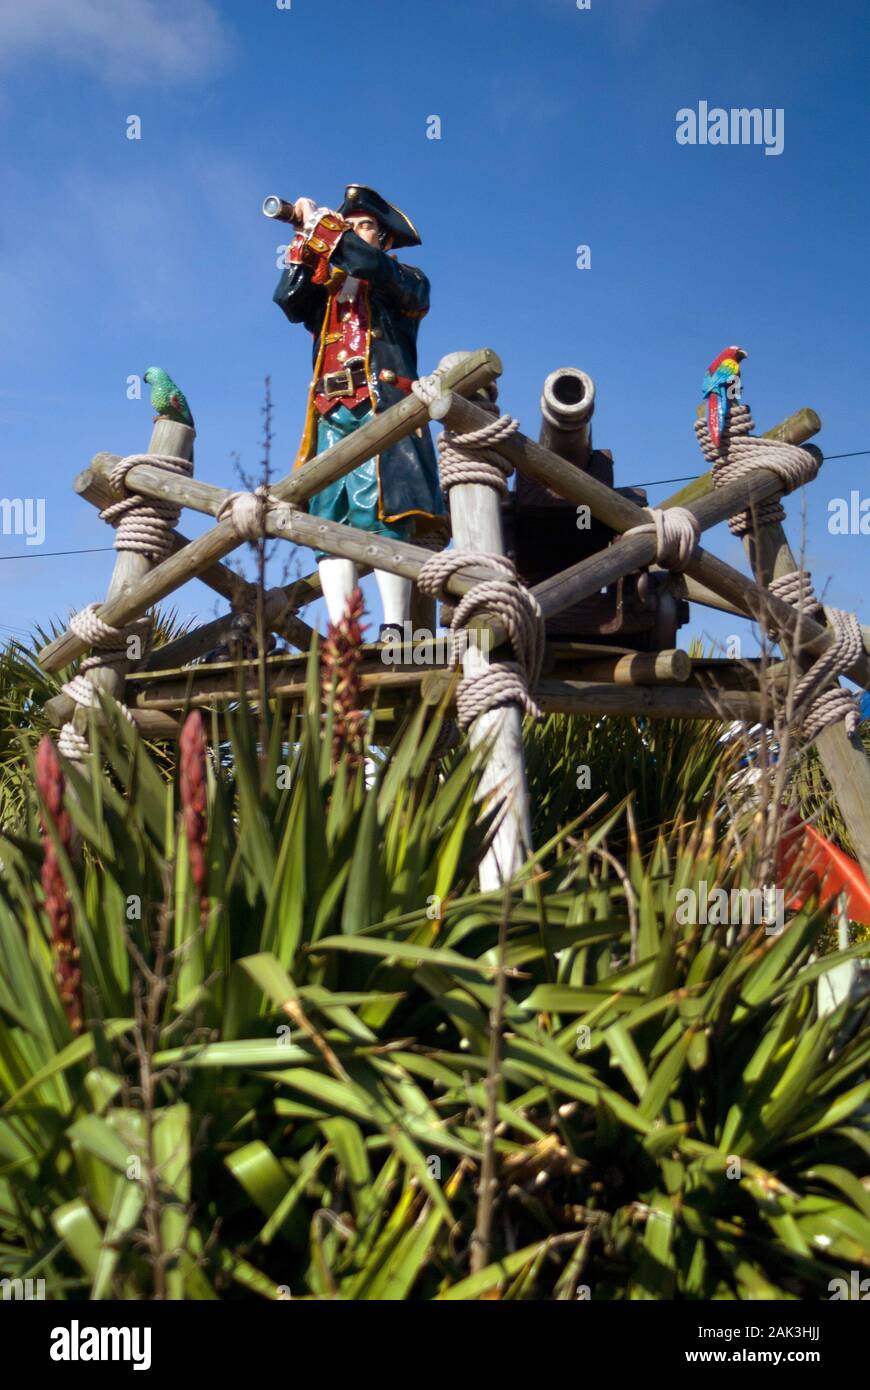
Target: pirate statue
(363,308)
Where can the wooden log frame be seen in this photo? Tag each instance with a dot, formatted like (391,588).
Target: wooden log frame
(365,548)
(564,660)
(93,484)
(638,551)
(135,586)
(287,674)
(844,758)
(632,553)
(476,370)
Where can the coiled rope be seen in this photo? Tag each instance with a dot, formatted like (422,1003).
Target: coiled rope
(818,702)
(740,452)
(144,524)
(110,649)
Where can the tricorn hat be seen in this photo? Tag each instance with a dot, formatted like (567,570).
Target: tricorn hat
(359,198)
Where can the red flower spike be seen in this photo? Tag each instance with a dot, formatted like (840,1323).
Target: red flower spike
(67,971)
(340,680)
(193,753)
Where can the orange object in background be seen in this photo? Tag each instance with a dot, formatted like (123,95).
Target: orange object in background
(817,868)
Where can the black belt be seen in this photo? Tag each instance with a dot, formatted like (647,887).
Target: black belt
(345,382)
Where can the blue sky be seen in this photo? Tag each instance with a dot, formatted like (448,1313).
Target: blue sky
(558,129)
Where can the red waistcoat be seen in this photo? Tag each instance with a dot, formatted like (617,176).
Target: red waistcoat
(347,337)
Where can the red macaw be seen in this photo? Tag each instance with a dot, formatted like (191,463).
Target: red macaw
(719,389)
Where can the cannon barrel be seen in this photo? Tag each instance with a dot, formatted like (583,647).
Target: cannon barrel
(567,403)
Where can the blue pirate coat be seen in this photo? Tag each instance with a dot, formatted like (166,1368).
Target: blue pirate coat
(396,299)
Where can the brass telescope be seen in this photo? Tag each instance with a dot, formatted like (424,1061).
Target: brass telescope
(280,211)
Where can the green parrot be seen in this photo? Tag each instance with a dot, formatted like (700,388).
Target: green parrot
(167,399)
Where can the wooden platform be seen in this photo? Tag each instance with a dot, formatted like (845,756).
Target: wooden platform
(578,678)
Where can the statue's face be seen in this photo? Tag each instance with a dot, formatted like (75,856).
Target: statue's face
(367,227)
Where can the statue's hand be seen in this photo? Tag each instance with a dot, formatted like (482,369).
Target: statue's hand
(305,209)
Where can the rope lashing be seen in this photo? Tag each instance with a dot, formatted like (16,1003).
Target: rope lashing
(740,452)
(677,532)
(501,682)
(72,744)
(470,457)
(110,649)
(797,589)
(144,524)
(815,706)
(818,700)
(247,512)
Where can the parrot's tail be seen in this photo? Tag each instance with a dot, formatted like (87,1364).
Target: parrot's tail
(713,424)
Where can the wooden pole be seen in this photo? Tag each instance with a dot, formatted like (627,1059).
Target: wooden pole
(150,723)
(649,701)
(641,668)
(475,514)
(475,370)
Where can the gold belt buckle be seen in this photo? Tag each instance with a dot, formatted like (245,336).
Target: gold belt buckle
(340,383)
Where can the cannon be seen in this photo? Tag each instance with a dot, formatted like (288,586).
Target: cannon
(544,534)
(567,406)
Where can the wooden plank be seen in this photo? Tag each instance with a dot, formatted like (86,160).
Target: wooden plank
(205,686)
(597,698)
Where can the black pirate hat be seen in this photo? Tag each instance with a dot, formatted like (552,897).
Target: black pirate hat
(359,198)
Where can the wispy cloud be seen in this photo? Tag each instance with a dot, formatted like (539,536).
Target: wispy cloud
(118,40)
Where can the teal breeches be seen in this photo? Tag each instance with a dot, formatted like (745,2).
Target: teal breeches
(352,499)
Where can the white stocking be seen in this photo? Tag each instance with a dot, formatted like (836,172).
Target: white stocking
(395,596)
(337,580)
